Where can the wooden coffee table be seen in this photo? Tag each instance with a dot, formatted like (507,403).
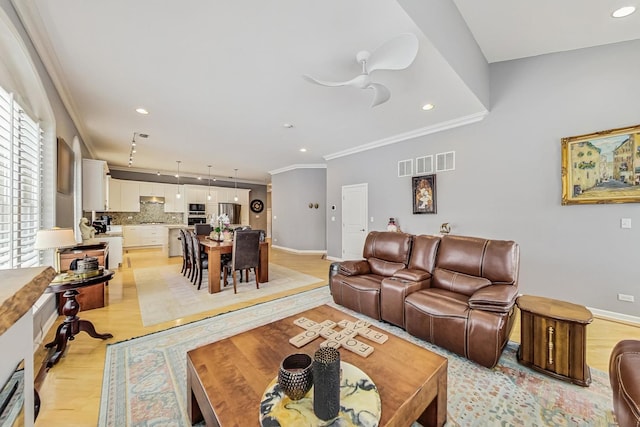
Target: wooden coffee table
(226,379)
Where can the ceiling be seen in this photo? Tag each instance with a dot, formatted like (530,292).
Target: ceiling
(220,79)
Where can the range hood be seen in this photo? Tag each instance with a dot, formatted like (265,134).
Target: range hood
(151,199)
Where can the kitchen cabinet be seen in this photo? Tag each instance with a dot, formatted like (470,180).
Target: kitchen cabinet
(144,235)
(124,196)
(196,194)
(115,192)
(175,244)
(94,185)
(130,196)
(171,202)
(152,189)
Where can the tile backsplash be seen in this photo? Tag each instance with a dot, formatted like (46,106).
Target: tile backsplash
(149,212)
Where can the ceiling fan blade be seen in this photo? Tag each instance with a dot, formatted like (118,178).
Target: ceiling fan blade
(395,54)
(381,94)
(324,82)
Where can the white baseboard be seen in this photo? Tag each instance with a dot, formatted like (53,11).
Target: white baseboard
(611,315)
(298,251)
(330,258)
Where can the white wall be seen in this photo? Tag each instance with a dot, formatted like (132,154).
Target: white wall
(296,226)
(507,182)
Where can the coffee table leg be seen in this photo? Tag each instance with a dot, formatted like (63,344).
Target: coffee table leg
(436,412)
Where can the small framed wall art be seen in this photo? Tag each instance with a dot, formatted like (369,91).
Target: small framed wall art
(424,194)
(601,167)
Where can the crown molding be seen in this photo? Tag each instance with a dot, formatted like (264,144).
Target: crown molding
(29,15)
(298,166)
(461,121)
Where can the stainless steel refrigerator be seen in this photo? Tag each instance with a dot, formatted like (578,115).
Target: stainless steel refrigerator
(232,210)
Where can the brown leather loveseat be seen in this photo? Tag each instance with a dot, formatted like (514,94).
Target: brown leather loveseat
(624,375)
(454,291)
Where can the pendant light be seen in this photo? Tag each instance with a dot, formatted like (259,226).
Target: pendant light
(235,199)
(178,176)
(209,195)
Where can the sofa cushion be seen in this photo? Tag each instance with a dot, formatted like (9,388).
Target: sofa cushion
(384,268)
(423,252)
(388,246)
(458,282)
(462,254)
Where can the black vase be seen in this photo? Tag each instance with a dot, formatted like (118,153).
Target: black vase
(326,383)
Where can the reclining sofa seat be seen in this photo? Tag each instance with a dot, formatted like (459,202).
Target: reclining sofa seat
(469,306)
(356,284)
(624,376)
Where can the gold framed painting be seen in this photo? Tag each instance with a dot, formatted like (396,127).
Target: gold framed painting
(601,167)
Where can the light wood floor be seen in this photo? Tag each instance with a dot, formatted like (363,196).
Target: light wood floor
(70,391)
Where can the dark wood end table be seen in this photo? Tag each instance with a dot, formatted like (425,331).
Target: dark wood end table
(73,325)
(553,338)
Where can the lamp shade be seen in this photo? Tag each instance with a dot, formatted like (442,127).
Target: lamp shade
(54,238)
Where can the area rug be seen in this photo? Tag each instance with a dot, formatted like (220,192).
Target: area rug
(165,294)
(144,380)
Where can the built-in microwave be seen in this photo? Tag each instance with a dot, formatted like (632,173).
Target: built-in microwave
(197,208)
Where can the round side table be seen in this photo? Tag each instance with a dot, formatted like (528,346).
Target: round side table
(73,325)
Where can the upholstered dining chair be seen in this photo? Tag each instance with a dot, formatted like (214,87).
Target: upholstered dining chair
(186,258)
(202,229)
(200,259)
(246,255)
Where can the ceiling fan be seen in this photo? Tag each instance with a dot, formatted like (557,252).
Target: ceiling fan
(397,53)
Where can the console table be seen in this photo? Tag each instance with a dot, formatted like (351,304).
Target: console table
(553,338)
(89,297)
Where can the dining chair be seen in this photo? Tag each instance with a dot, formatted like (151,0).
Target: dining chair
(263,236)
(201,261)
(203,229)
(191,255)
(186,260)
(245,255)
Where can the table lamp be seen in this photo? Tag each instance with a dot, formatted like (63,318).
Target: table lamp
(55,238)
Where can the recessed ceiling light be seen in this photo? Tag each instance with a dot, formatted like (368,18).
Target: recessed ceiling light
(200,178)
(287,125)
(623,11)
(304,150)
(142,110)
(427,107)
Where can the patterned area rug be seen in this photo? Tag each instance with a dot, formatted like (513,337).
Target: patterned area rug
(145,378)
(165,294)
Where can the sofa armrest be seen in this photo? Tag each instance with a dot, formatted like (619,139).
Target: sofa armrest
(412,274)
(496,298)
(354,268)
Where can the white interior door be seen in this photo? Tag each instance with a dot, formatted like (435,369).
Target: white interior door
(355,210)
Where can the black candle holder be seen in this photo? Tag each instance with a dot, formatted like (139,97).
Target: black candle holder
(326,381)
(295,375)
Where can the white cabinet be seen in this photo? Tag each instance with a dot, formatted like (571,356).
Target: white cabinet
(196,193)
(94,185)
(124,196)
(171,202)
(152,189)
(115,191)
(130,196)
(144,235)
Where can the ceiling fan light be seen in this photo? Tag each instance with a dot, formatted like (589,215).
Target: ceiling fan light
(623,11)
(142,110)
(427,107)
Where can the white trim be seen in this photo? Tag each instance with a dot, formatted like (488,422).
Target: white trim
(332,258)
(611,315)
(299,251)
(298,166)
(462,121)
(39,338)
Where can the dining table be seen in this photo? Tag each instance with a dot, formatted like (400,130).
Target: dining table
(214,249)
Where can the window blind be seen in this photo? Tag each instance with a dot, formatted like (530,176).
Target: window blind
(21,156)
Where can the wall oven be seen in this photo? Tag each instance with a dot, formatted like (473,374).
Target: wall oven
(192,220)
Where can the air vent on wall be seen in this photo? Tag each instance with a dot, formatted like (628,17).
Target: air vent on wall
(405,168)
(446,161)
(424,165)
